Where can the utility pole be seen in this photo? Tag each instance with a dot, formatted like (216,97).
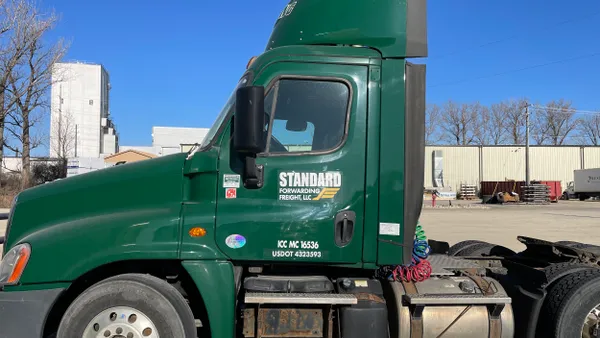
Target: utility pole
(527,177)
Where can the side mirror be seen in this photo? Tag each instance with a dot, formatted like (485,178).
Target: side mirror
(249,120)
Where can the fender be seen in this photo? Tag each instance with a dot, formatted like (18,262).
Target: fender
(210,277)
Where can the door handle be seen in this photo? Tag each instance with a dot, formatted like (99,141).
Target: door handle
(344,227)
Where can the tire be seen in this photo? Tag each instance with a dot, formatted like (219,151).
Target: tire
(112,303)
(554,272)
(582,197)
(458,247)
(567,243)
(486,249)
(569,301)
(595,249)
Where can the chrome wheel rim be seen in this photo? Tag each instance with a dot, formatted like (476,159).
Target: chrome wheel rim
(591,323)
(121,322)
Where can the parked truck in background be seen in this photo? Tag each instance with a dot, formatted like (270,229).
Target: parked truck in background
(586,184)
(297,216)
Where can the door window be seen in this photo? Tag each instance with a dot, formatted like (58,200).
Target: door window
(307,115)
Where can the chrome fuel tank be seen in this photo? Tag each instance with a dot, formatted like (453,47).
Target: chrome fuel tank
(451,307)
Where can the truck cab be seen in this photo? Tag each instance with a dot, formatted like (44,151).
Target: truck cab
(297,216)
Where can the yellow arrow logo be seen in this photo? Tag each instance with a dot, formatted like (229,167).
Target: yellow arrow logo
(326,193)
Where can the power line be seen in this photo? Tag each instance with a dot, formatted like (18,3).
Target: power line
(565,110)
(516,70)
(511,37)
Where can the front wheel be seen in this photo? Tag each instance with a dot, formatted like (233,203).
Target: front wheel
(128,306)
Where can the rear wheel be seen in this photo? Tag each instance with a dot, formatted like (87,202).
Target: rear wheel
(573,306)
(460,246)
(129,306)
(557,271)
(485,249)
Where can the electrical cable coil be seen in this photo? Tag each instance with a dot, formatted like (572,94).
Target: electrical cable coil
(419,269)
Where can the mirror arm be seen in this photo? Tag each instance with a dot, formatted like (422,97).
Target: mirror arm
(253,173)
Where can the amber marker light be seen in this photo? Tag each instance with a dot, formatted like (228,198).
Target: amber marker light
(197,232)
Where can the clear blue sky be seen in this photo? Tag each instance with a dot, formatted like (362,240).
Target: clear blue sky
(174,63)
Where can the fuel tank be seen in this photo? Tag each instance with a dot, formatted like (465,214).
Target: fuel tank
(451,307)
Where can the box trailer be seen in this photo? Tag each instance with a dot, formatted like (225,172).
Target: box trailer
(586,184)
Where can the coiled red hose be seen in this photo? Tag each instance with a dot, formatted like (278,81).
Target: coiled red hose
(416,272)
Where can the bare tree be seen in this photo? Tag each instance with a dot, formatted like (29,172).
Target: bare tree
(21,25)
(486,129)
(589,129)
(63,142)
(554,122)
(432,123)
(29,83)
(512,113)
(459,123)
(497,125)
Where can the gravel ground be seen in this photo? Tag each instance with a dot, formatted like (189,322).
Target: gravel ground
(501,224)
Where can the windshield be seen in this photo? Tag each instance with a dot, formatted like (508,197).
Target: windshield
(223,114)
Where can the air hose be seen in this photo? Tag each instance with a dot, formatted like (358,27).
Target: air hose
(419,269)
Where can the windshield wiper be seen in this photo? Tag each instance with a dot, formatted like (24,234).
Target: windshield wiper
(193,150)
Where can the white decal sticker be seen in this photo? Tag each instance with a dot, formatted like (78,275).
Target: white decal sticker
(288,10)
(230,193)
(287,248)
(389,229)
(231,181)
(361,283)
(307,186)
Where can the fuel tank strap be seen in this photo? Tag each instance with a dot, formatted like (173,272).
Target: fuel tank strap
(416,313)
(495,327)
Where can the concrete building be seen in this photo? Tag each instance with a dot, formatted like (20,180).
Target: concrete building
(170,140)
(80,124)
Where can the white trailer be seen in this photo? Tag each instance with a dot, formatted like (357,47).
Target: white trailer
(586,184)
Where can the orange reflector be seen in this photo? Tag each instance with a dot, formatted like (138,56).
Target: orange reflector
(22,259)
(197,232)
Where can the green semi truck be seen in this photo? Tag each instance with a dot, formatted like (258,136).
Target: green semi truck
(297,216)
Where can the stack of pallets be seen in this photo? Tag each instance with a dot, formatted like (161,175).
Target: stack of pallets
(536,194)
(468,191)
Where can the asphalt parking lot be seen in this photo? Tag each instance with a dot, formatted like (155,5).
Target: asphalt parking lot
(501,224)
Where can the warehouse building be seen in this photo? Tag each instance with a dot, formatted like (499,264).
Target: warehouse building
(451,166)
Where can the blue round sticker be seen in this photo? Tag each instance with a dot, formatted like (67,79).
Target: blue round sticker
(235,241)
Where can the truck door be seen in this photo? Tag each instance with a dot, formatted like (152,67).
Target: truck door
(311,203)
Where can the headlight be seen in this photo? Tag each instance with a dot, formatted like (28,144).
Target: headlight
(13,264)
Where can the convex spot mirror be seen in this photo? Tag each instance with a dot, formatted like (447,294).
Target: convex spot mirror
(249,120)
